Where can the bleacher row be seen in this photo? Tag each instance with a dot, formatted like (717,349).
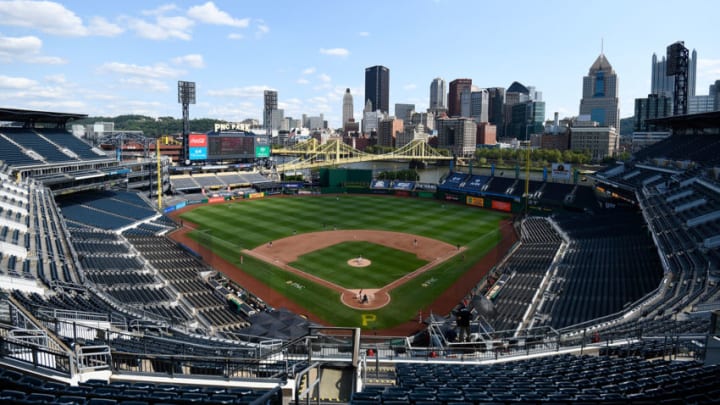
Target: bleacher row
(524,270)
(86,302)
(704,148)
(681,209)
(554,379)
(108,261)
(109,210)
(183,273)
(148,281)
(18,388)
(38,146)
(607,263)
(35,246)
(216,181)
(495,186)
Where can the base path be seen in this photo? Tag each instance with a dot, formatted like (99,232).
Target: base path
(281,252)
(442,305)
(289,249)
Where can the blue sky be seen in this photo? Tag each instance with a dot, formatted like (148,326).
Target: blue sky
(110,58)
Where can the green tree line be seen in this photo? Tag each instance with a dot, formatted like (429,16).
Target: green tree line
(153,127)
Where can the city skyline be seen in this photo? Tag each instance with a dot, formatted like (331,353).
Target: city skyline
(108,59)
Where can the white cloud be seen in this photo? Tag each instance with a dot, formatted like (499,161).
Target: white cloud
(25,49)
(160,9)
(338,92)
(46,60)
(302,81)
(364,34)
(145,83)
(56,79)
(234,112)
(58,105)
(210,14)
(163,28)
(308,71)
(244,92)
(9,82)
(53,18)
(236,36)
(20,45)
(47,16)
(335,51)
(140,107)
(261,30)
(324,78)
(295,107)
(410,86)
(178,25)
(156,71)
(102,27)
(193,60)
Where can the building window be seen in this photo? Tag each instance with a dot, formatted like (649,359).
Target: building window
(600,84)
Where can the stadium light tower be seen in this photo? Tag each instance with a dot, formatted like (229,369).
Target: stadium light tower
(186,96)
(677,66)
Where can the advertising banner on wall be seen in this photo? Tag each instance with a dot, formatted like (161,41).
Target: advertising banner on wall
(561,171)
(501,206)
(262,151)
(476,201)
(197,146)
(197,153)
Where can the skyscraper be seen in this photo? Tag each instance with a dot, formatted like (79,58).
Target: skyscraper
(496,108)
(404,111)
(662,84)
(526,118)
(456,88)
(692,72)
(438,96)
(515,94)
(479,105)
(458,135)
(271,103)
(377,87)
(347,111)
(600,94)
(651,107)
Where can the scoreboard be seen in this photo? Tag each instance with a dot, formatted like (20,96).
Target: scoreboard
(229,146)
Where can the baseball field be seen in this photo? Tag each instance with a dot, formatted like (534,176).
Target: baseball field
(347,260)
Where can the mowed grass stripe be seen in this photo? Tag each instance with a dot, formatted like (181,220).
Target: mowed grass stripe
(331,264)
(251,223)
(256,222)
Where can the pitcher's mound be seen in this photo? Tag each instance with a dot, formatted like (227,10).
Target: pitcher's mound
(359,262)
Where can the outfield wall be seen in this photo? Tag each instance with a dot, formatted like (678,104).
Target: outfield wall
(496,203)
(492,203)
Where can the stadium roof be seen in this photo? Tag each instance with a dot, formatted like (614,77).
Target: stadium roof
(697,121)
(16,115)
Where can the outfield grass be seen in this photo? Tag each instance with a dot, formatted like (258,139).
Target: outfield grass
(387,264)
(227,228)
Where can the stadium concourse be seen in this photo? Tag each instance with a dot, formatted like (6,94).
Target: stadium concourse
(605,299)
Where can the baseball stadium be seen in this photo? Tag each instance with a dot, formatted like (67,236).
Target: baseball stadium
(131,279)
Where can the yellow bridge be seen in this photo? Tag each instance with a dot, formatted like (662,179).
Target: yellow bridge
(336,152)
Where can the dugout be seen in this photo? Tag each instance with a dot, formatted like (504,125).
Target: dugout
(335,180)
